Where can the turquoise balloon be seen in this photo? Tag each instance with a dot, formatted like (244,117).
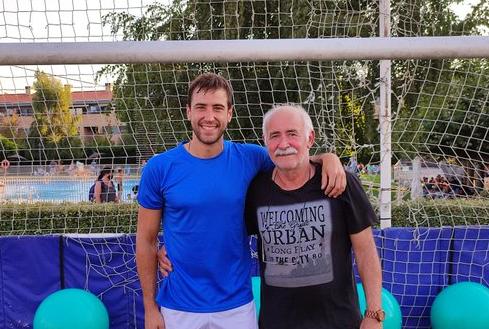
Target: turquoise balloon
(255,284)
(393,315)
(463,305)
(71,309)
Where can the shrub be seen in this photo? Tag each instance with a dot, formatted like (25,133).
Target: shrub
(50,218)
(84,217)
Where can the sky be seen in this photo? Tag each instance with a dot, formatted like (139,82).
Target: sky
(58,21)
(71,21)
(463,8)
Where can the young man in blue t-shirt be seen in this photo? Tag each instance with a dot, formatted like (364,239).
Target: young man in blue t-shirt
(197,191)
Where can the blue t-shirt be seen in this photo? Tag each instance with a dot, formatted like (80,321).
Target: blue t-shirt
(203,227)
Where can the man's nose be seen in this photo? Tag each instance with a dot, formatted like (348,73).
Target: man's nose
(209,114)
(283,142)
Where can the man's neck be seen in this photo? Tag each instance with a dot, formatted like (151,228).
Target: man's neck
(294,178)
(204,151)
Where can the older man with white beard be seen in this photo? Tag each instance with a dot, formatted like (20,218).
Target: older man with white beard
(305,238)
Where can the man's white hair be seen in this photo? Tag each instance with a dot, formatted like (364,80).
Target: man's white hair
(308,127)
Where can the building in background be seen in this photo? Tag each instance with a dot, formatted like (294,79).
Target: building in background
(95,108)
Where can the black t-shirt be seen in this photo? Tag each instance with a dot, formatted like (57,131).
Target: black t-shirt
(307,278)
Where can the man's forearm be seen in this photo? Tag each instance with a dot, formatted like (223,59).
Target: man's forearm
(146,261)
(371,276)
(147,266)
(369,268)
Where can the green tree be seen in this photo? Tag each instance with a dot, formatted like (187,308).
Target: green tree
(432,97)
(51,104)
(9,126)
(7,145)
(10,137)
(54,131)
(441,105)
(460,127)
(151,97)
(353,127)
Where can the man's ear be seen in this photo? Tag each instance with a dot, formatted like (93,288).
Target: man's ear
(230,113)
(311,138)
(188,112)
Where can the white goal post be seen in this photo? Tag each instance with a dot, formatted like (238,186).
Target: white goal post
(133,52)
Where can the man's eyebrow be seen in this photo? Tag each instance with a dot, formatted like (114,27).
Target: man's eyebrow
(205,104)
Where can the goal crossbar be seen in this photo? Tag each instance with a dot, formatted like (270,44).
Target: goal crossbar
(121,52)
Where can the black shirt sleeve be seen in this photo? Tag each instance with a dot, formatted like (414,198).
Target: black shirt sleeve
(359,211)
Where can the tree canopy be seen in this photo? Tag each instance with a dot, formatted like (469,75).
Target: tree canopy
(339,95)
(54,131)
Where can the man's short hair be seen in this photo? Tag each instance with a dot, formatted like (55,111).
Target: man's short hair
(308,127)
(210,81)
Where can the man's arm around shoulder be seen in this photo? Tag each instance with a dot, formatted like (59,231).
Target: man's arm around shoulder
(146,247)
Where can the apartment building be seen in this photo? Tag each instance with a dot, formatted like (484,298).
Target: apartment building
(95,107)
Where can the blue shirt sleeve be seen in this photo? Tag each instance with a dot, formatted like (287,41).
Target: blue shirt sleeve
(264,162)
(150,194)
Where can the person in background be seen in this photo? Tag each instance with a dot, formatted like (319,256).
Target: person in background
(119,177)
(93,166)
(134,193)
(104,190)
(352,165)
(141,168)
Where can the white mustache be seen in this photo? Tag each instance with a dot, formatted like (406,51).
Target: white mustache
(288,151)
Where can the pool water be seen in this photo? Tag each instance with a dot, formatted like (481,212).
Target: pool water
(55,189)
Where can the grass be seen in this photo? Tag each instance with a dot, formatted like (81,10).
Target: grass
(371,184)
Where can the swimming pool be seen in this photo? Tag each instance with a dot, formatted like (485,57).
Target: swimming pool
(54,189)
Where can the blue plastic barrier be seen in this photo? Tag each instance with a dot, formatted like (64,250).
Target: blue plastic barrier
(417,265)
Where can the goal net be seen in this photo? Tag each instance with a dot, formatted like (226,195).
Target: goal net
(61,124)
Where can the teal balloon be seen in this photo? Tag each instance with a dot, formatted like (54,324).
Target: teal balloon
(464,305)
(71,309)
(393,315)
(255,284)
